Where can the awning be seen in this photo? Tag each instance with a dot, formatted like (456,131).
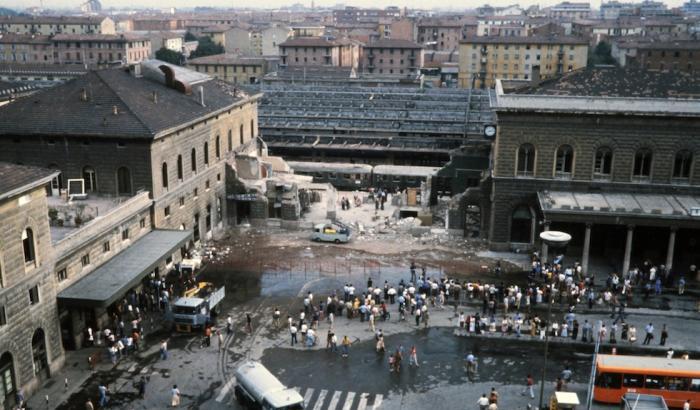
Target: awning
(109,282)
(617,207)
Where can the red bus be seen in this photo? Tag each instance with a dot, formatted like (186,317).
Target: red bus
(676,380)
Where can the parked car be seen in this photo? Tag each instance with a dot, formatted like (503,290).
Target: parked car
(331,232)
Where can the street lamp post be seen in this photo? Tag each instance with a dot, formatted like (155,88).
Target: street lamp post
(553,239)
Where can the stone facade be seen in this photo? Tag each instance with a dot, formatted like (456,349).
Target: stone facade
(30,334)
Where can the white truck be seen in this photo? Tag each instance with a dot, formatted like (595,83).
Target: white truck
(195,309)
(336,232)
(257,388)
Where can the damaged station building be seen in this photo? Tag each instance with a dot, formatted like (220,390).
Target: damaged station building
(117,173)
(607,155)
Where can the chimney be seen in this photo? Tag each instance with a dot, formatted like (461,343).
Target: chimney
(201,96)
(83,95)
(115,110)
(154,97)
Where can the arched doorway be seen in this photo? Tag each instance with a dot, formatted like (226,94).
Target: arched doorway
(8,388)
(521,225)
(40,357)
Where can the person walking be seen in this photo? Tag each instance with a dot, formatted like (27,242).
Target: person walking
(174,396)
(163,349)
(413,357)
(493,396)
(229,324)
(483,402)
(142,387)
(88,405)
(248,323)
(686,405)
(220,338)
(664,335)
(276,317)
(649,329)
(103,390)
(529,387)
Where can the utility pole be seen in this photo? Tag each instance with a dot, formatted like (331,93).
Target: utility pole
(591,380)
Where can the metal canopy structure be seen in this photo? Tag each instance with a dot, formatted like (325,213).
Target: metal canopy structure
(107,283)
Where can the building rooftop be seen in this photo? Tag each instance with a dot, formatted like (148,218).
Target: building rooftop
(115,103)
(312,42)
(393,43)
(99,37)
(16,38)
(15,179)
(616,82)
(227,59)
(51,19)
(526,40)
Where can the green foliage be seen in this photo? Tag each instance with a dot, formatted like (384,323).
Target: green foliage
(169,56)
(601,55)
(190,37)
(206,47)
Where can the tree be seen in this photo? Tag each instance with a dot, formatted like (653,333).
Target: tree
(169,56)
(206,47)
(602,54)
(190,37)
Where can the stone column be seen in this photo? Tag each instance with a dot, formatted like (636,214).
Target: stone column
(545,247)
(586,249)
(671,248)
(628,250)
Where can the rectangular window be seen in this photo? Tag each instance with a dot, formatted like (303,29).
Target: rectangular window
(125,234)
(85,259)
(206,184)
(62,275)
(654,382)
(3,316)
(196,193)
(166,211)
(34,295)
(105,247)
(633,380)
(218,177)
(182,201)
(142,223)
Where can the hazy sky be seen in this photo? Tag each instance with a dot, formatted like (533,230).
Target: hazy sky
(455,4)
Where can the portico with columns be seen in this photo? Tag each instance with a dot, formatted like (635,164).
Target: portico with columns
(625,229)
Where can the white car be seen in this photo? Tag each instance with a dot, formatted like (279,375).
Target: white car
(334,232)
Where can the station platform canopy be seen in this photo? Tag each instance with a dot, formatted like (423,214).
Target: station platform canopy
(109,282)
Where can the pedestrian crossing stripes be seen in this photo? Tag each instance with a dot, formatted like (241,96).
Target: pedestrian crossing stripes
(339,400)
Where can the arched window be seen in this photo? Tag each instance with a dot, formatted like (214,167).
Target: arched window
(565,161)
(521,225)
(602,167)
(206,153)
(193,160)
(230,140)
(252,129)
(179,167)
(526,160)
(28,246)
(164,174)
(682,165)
(642,165)
(8,387)
(241,133)
(90,178)
(123,181)
(217,148)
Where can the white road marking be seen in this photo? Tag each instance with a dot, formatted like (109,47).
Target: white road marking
(349,400)
(363,401)
(320,400)
(225,389)
(307,396)
(377,401)
(334,400)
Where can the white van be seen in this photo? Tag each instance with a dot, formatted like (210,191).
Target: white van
(257,388)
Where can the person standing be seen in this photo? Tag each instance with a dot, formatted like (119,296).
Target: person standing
(649,329)
(686,405)
(220,338)
(174,396)
(142,387)
(163,349)
(413,357)
(529,387)
(248,323)
(276,317)
(229,324)
(293,333)
(681,285)
(207,336)
(346,346)
(664,335)
(88,405)
(493,397)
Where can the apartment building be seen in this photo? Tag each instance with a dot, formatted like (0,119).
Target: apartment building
(482,60)
(681,55)
(50,25)
(440,35)
(392,57)
(231,68)
(100,49)
(319,51)
(25,49)
(570,10)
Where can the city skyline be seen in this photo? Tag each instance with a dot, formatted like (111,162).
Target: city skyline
(456,5)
